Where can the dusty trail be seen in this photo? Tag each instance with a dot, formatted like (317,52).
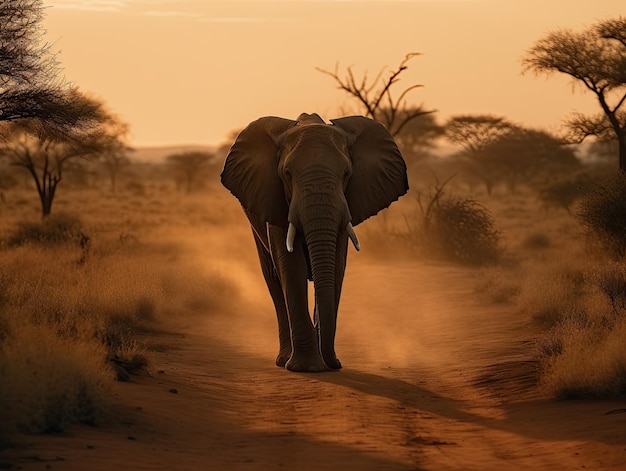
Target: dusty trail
(417,392)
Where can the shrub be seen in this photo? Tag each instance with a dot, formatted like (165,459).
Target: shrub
(50,382)
(563,193)
(463,230)
(582,354)
(586,360)
(54,229)
(551,293)
(602,213)
(459,229)
(611,281)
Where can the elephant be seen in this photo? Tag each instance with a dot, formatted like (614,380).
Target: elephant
(303,186)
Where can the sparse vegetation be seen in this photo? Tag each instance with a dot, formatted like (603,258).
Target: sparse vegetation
(603,211)
(76,310)
(577,298)
(457,228)
(58,229)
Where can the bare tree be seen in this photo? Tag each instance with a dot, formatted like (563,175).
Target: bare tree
(596,59)
(376,97)
(189,166)
(418,137)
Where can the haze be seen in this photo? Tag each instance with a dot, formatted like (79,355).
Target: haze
(191,71)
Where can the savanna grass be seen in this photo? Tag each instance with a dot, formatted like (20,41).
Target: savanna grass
(78,296)
(580,302)
(574,295)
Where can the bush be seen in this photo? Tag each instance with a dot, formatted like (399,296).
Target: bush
(585,359)
(611,281)
(47,382)
(582,353)
(54,229)
(563,193)
(602,213)
(463,230)
(550,293)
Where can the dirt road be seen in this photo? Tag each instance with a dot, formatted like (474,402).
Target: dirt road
(419,391)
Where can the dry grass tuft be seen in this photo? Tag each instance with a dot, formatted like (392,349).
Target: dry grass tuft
(50,382)
(588,362)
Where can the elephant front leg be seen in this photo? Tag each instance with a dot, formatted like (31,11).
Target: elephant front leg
(276,291)
(293,274)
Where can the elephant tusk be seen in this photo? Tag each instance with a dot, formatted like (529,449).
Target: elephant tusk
(291,235)
(353,237)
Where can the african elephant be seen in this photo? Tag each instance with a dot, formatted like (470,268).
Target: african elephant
(303,185)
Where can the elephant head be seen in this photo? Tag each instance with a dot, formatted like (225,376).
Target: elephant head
(316,180)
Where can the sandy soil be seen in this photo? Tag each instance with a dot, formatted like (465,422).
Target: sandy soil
(433,379)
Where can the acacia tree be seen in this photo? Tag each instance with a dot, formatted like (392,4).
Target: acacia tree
(43,151)
(523,155)
(596,59)
(45,120)
(376,98)
(474,133)
(189,166)
(113,155)
(29,83)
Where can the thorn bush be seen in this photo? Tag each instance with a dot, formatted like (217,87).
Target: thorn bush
(602,212)
(460,229)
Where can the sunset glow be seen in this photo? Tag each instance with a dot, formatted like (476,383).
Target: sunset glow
(212,260)
(189,72)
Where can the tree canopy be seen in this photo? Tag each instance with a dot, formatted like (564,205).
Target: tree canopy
(30,87)
(474,132)
(595,58)
(44,120)
(496,150)
(189,167)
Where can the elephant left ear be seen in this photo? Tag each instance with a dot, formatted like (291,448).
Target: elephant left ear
(251,170)
(378,170)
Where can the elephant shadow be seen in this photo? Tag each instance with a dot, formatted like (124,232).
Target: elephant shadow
(400,391)
(521,418)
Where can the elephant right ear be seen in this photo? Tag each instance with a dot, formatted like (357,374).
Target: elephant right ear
(251,170)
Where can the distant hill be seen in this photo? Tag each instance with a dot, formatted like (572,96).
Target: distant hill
(158,154)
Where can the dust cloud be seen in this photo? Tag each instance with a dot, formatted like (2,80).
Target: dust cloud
(392,310)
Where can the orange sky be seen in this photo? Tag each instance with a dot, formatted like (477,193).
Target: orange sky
(190,71)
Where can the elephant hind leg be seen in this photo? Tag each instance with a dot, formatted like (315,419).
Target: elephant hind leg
(275,289)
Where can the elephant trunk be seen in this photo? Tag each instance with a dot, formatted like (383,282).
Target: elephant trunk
(322,247)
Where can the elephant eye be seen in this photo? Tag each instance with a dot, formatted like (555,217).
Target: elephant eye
(287,172)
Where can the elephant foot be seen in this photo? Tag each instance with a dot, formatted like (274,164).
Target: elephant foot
(306,363)
(283,357)
(331,359)
(333,364)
